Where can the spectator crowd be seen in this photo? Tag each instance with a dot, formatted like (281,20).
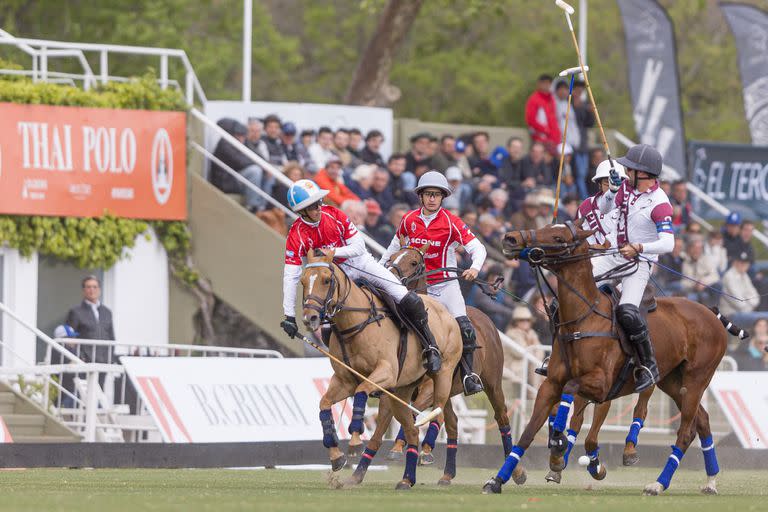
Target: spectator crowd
(495,190)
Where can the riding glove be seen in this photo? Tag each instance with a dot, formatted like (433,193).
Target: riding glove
(289,326)
(614,180)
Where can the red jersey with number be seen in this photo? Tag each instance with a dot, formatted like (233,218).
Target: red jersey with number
(444,232)
(332,231)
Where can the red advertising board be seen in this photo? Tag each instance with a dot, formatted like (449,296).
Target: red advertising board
(84,162)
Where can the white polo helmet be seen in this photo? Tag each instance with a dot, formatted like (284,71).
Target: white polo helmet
(433,179)
(604,170)
(304,193)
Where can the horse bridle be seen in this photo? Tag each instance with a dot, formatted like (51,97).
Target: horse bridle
(323,305)
(421,268)
(540,253)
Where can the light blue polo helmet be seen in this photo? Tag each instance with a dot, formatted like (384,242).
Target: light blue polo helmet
(304,193)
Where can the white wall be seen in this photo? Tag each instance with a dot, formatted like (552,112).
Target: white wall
(20,296)
(136,290)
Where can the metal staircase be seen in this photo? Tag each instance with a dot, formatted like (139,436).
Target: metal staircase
(28,423)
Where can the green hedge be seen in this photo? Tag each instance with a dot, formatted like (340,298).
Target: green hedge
(94,242)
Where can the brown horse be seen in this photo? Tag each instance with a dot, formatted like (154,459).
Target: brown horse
(408,265)
(689,342)
(370,346)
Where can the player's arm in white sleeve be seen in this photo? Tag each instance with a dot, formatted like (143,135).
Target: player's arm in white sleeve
(394,246)
(477,252)
(355,247)
(291,276)
(606,202)
(665,244)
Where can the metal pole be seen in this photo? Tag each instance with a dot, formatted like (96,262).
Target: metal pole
(583,29)
(104,67)
(247,25)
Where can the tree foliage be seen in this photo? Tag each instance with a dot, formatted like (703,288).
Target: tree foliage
(468,61)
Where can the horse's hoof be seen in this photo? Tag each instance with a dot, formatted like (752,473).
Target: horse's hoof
(553,476)
(710,489)
(426,459)
(630,459)
(338,463)
(354,479)
(492,486)
(445,480)
(598,471)
(395,456)
(653,489)
(403,485)
(355,451)
(519,475)
(556,464)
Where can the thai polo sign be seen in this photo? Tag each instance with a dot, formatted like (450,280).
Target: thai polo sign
(735,175)
(84,162)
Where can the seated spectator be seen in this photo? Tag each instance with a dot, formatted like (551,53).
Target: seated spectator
(528,216)
(489,233)
(288,143)
(469,216)
(751,356)
(480,163)
(306,139)
(540,115)
(731,239)
(380,189)
(293,172)
(254,141)
(401,182)
(534,165)
(483,189)
(745,235)
(736,282)
(499,198)
(371,153)
(511,170)
(238,162)
(396,215)
(331,179)
(271,138)
(463,152)
(669,277)
(681,206)
(596,156)
(341,148)
(420,152)
(375,226)
(446,156)
(716,252)
(356,211)
(498,308)
(546,198)
(521,331)
(320,151)
(361,180)
(570,209)
(462,192)
(356,144)
(697,265)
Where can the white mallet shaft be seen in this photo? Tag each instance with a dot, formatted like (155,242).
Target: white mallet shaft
(564,6)
(573,71)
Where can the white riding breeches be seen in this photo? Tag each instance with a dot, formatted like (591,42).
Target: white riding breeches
(633,285)
(449,295)
(367,268)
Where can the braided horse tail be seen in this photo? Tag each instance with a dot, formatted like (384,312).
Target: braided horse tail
(729,326)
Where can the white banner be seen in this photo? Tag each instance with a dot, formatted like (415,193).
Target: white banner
(743,396)
(205,400)
(307,116)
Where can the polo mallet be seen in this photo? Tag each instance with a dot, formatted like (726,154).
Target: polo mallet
(422,417)
(568,11)
(572,72)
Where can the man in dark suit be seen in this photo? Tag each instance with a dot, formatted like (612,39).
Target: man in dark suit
(93,321)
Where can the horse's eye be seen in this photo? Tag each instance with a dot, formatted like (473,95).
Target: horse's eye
(559,239)
(413,263)
(326,280)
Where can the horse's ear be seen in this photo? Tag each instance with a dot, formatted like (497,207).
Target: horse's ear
(424,248)
(579,223)
(403,241)
(583,234)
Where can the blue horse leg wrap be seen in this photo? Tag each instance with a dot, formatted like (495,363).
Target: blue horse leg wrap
(452,447)
(672,463)
(330,439)
(710,458)
(506,439)
(400,435)
(431,435)
(505,473)
(562,413)
(571,441)
(594,462)
(411,458)
(358,412)
(634,430)
(365,460)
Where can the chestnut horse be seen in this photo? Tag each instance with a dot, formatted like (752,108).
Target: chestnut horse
(408,266)
(370,346)
(688,338)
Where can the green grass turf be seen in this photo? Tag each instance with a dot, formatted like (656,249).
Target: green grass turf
(279,490)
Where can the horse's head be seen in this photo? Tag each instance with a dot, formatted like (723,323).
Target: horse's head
(547,244)
(408,263)
(320,288)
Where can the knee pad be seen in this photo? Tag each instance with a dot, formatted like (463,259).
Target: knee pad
(629,317)
(468,334)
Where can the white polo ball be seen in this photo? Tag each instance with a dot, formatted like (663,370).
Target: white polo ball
(583,460)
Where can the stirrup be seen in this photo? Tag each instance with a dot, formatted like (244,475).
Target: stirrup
(432,358)
(476,385)
(640,368)
(542,370)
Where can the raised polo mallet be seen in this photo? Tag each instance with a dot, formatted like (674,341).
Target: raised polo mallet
(572,72)
(568,11)
(422,417)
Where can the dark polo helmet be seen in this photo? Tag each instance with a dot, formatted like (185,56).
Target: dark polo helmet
(642,157)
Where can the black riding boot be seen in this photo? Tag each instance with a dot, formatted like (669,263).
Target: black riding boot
(647,373)
(413,307)
(470,380)
(554,310)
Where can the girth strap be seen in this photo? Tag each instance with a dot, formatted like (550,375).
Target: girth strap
(579,335)
(624,374)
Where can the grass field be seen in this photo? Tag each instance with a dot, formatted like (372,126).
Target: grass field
(279,490)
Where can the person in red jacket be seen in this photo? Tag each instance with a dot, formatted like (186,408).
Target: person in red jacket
(330,179)
(540,115)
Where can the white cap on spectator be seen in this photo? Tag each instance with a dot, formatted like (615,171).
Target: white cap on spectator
(453,173)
